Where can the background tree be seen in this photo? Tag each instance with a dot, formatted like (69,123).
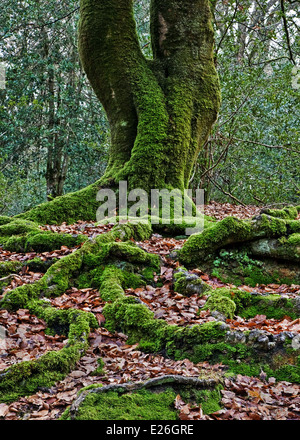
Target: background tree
(253,153)
(51,122)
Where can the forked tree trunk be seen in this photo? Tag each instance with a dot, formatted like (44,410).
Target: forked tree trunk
(160,111)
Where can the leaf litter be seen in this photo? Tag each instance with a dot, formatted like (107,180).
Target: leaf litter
(243,397)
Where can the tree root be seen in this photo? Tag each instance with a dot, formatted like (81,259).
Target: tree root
(232,231)
(153,383)
(101,261)
(28,376)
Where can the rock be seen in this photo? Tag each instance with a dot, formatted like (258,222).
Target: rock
(296,342)
(219,316)
(188,284)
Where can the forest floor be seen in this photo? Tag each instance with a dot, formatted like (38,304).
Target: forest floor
(243,397)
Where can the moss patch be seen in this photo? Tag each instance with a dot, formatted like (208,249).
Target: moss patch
(221,304)
(139,405)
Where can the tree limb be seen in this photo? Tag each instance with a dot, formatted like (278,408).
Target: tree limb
(286,29)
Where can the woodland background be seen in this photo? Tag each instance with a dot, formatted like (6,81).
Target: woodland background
(53,128)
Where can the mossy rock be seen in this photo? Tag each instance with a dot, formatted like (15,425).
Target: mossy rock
(189,284)
(221,304)
(237,266)
(231,232)
(248,305)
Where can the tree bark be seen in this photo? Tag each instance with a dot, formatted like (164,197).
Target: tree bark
(160,111)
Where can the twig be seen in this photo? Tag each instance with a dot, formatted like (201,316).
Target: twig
(225,192)
(12,275)
(285,25)
(227,29)
(268,146)
(218,160)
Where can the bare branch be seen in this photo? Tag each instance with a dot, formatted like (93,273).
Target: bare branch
(285,25)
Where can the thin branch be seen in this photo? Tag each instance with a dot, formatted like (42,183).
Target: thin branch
(227,29)
(225,192)
(38,26)
(218,160)
(267,146)
(269,61)
(285,25)
(12,275)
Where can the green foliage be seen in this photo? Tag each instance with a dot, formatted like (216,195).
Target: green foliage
(49,115)
(253,152)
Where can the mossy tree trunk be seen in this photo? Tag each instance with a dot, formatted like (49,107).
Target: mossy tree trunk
(161,110)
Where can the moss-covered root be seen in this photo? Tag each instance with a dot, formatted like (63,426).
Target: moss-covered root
(79,205)
(288,213)
(29,376)
(21,235)
(135,400)
(26,377)
(9,267)
(59,276)
(201,247)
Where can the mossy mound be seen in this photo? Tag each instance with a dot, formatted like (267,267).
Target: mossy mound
(248,305)
(153,399)
(189,284)
(25,236)
(222,304)
(239,251)
(237,266)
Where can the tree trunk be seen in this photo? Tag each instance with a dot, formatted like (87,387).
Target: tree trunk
(160,111)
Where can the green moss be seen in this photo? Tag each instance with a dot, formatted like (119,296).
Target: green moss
(139,405)
(48,241)
(110,283)
(99,371)
(130,252)
(294,239)
(69,208)
(288,373)
(289,212)
(24,236)
(18,227)
(239,267)
(210,400)
(4,219)
(148,274)
(39,265)
(203,246)
(188,284)
(249,305)
(221,304)
(273,306)
(131,317)
(8,267)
